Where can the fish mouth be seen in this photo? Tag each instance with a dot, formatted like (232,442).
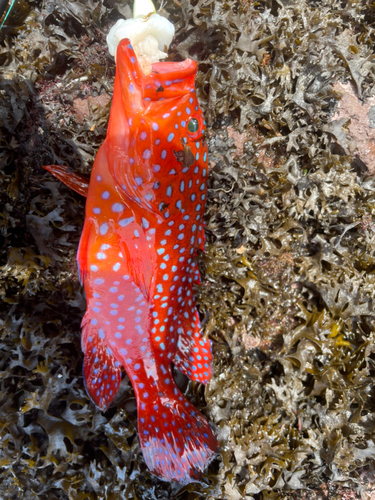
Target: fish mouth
(166,79)
(169,79)
(174,71)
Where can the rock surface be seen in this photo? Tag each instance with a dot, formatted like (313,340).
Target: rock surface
(82,106)
(357,121)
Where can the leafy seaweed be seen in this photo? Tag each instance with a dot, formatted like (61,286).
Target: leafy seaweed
(288,274)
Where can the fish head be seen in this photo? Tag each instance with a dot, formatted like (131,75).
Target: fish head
(156,120)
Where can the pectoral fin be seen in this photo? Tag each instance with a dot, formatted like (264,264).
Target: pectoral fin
(74,181)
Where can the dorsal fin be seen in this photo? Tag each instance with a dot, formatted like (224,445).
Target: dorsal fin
(193,356)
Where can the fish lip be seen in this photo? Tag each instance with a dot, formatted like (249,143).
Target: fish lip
(167,79)
(174,78)
(180,69)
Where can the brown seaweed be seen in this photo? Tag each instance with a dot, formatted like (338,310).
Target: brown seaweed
(288,273)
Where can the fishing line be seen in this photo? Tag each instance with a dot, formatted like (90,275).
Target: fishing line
(3,4)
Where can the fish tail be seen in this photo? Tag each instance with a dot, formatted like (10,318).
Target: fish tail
(176,440)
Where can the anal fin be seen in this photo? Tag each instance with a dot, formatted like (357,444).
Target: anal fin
(101,371)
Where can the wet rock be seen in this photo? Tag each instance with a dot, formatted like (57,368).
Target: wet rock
(82,106)
(356,119)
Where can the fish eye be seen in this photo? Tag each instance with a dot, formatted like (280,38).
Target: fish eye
(193,125)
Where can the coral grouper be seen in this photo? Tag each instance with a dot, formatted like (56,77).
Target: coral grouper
(143,226)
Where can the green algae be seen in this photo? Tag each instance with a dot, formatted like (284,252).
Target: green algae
(288,272)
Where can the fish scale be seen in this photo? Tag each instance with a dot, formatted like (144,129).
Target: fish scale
(143,226)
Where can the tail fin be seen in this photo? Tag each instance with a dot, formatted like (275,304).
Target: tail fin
(176,440)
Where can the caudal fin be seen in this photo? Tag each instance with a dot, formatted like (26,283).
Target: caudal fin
(176,440)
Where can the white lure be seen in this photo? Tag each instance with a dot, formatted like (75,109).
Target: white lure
(150,35)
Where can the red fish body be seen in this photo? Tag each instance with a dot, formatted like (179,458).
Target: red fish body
(142,228)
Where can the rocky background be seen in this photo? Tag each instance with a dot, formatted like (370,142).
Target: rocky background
(288,274)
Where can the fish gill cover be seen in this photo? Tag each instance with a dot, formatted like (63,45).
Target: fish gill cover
(288,274)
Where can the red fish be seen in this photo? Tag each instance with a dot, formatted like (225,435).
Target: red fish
(136,258)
